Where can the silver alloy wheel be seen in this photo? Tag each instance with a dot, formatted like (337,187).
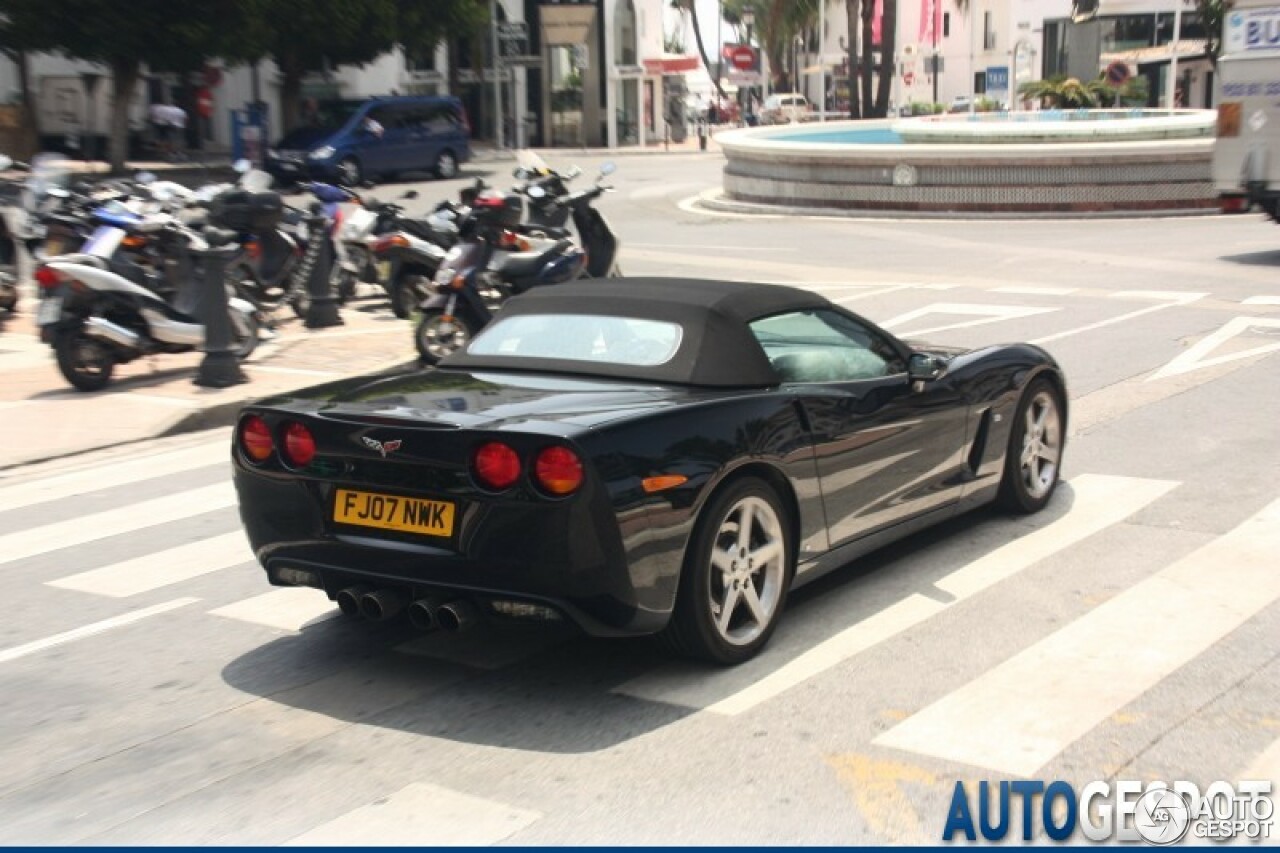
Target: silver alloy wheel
(349,172)
(1041,444)
(438,338)
(748,570)
(446,165)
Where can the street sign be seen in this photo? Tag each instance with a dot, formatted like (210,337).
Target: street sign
(527,61)
(1118,73)
(998,78)
(743,57)
(513,30)
(514,39)
(909,78)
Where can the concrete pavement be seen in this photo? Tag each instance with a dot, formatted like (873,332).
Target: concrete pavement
(42,417)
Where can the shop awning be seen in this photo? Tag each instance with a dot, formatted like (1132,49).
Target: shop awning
(1186,49)
(669,64)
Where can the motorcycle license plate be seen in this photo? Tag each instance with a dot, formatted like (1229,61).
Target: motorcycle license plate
(50,310)
(54,246)
(393,512)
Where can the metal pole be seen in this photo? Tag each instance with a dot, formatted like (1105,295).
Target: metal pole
(1171,89)
(933,28)
(822,60)
(497,81)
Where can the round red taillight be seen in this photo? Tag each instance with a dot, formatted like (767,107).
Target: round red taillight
(47,277)
(496,466)
(299,445)
(558,470)
(255,439)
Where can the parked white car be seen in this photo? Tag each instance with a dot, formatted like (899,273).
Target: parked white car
(785,108)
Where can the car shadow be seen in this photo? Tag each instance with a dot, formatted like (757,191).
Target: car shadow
(1267,258)
(545,687)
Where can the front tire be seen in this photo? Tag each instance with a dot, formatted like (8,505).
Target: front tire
(85,362)
(435,338)
(736,575)
(446,165)
(1034,459)
(246,340)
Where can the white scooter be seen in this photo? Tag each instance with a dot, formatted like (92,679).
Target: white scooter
(95,319)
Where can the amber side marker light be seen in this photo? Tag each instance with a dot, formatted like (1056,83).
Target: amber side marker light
(663,482)
(255,439)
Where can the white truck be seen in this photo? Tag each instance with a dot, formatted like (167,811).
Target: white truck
(1246,154)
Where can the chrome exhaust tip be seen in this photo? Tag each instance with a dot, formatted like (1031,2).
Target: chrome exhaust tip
(349,600)
(422,612)
(103,329)
(382,603)
(457,616)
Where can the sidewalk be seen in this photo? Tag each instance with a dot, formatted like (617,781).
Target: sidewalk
(42,417)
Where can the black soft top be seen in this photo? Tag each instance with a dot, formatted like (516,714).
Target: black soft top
(717,348)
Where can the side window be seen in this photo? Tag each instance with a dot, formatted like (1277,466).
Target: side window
(441,119)
(379,117)
(825,346)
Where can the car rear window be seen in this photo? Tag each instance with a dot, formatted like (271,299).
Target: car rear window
(581,337)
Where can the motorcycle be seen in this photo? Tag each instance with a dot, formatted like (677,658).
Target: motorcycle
(408,257)
(20,206)
(95,318)
(498,257)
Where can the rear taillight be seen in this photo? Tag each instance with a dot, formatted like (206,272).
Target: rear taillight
(255,439)
(558,470)
(391,241)
(299,445)
(496,466)
(1234,204)
(47,277)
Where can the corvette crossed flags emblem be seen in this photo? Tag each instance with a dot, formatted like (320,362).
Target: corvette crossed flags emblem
(383,447)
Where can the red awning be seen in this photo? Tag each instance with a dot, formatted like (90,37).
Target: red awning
(671,65)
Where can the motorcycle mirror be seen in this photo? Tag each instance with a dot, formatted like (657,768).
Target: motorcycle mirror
(144,177)
(536,192)
(607,168)
(410,194)
(573,172)
(5,161)
(242,165)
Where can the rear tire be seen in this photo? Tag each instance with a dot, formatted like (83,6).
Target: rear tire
(85,362)
(748,571)
(1033,461)
(436,339)
(408,294)
(247,342)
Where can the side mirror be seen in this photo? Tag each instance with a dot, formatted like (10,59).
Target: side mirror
(410,194)
(925,368)
(573,172)
(608,168)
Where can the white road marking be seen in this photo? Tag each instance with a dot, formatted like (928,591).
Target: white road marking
(1181,297)
(1018,716)
(124,519)
(1098,501)
(89,630)
(1034,290)
(1184,299)
(287,609)
(420,815)
(874,291)
(133,470)
(984,313)
(1262,300)
(152,571)
(1194,357)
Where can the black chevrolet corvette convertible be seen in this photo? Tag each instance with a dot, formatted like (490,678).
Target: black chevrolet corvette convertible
(640,456)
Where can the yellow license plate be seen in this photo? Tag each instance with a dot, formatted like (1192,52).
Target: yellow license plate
(393,512)
(53,246)
(384,270)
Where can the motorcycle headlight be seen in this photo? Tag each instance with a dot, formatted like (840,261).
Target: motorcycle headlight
(324,152)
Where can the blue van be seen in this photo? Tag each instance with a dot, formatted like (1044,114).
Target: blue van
(353,141)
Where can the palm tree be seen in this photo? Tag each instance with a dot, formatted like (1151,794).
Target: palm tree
(691,8)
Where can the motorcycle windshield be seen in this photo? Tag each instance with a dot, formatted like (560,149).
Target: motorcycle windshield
(460,259)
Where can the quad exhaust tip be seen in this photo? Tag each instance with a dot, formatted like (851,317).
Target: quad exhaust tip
(457,616)
(422,612)
(349,600)
(382,604)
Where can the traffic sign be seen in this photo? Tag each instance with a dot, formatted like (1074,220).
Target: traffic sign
(743,57)
(1118,73)
(204,102)
(909,78)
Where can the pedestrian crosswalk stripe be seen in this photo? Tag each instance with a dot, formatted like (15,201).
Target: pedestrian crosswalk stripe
(422,814)
(1097,502)
(1016,717)
(124,519)
(83,631)
(983,315)
(1034,290)
(162,568)
(133,470)
(288,609)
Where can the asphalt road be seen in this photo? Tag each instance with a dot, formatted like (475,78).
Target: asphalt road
(156,690)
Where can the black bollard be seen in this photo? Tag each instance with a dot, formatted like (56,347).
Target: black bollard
(318,268)
(221,366)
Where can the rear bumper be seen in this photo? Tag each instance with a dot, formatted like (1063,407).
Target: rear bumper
(569,555)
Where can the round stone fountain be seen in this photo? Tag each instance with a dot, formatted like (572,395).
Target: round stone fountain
(1047,162)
